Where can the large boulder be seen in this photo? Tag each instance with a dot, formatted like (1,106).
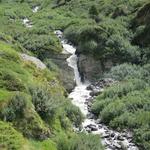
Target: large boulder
(92,69)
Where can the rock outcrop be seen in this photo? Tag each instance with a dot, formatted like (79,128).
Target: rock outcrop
(66,72)
(91,69)
(39,64)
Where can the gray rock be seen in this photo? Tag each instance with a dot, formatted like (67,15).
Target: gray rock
(124,145)
(105,135)
(117,145)
(89,68)
(120,138)
(66,72)
(112,134)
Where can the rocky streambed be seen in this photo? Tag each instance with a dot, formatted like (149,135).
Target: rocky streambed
(83,95)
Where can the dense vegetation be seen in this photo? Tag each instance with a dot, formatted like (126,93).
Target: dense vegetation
(34,112)
(126,104)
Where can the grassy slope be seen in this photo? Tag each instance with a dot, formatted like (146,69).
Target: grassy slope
(29,128)
(107,34)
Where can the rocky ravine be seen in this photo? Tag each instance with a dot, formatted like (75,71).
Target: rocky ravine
(83,95)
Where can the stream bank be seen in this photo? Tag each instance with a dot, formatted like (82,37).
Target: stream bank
(83,95)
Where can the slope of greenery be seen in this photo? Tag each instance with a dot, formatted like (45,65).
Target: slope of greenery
(33,100)
(34,112)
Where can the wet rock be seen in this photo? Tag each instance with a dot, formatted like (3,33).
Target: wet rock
(90,116)
(124,145)
(92,127)
(95,92)
(117,145)
(112,134)
(66,72)
(105,135)
(100,126)
(89,68)
(90,87)
(120,138)
(129,135)
(98,121)
(88,130)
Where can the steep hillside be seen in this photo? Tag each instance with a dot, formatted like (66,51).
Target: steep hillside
(112,38)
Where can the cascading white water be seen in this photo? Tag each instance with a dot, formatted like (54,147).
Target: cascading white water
(79,96)
(35,9)
(27,23)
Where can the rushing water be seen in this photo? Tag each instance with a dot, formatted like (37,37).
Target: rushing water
(27,23)
(113,140)
(35,9)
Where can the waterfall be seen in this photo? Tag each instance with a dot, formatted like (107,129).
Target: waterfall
(80,96)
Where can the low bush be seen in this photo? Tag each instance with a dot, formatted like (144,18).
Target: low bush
(126,71)
(15,107)
(45,104)
(10,138)
(74,114)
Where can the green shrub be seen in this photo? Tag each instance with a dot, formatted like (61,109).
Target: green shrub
(9,138)
(51,66)
(10,81)
(112,110)
(125,71)
(85,142)
(15,107)
(99,105)
(74,114)
(45,104)
(142,137)
(65,122)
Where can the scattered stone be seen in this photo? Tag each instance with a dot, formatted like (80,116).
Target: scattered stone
(105,135)
(124,145)
(117,145)
(100,126)
(120,138)
(112,134)
(88,130)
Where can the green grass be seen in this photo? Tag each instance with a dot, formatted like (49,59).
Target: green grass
(10,138)
(45,145)
(105,34)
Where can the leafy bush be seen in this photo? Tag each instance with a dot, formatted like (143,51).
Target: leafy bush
(74,114)
(112,110)
(125,71)
(80,142)
(10,138)
(85,142)
(10,81)
(142,137)
(45,103)
(51,66)
(15,108)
